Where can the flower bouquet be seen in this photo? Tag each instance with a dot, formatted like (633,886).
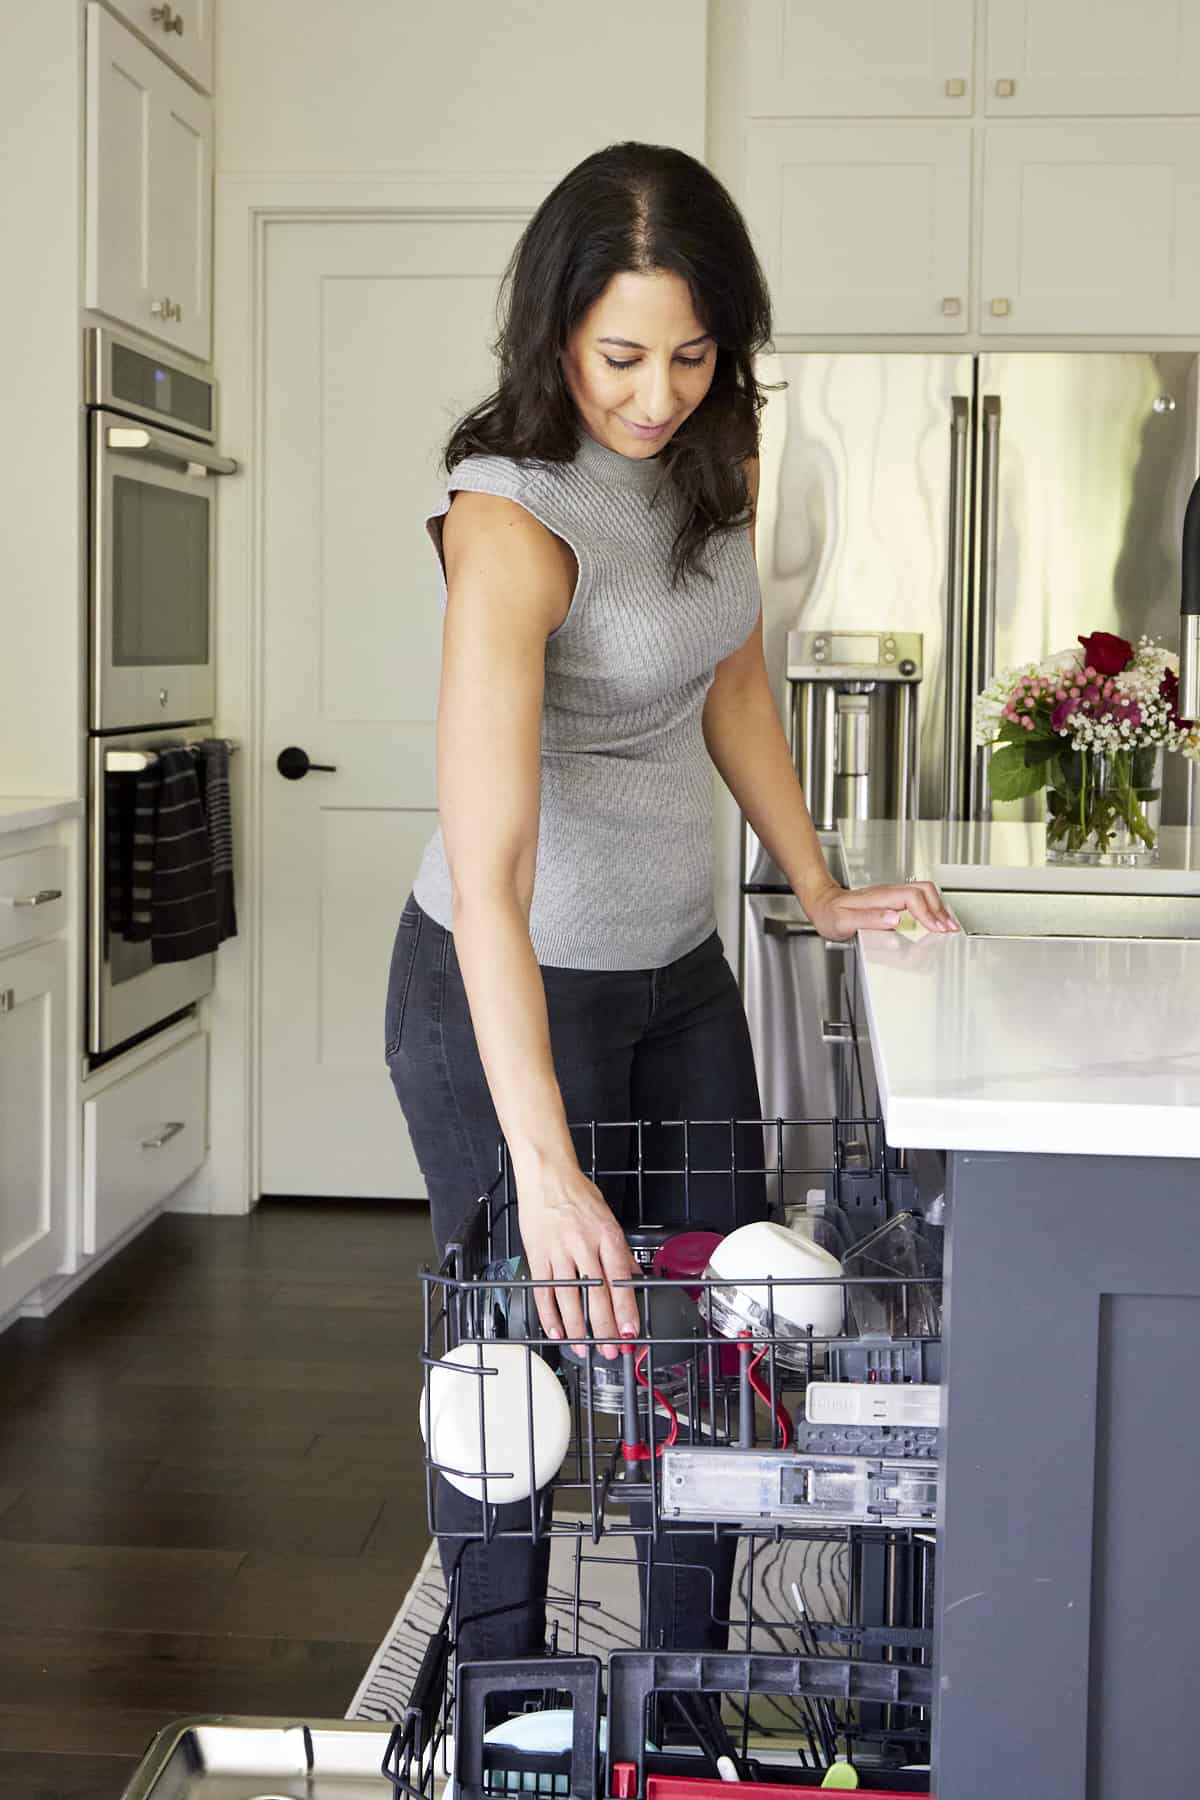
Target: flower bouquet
(1090,726)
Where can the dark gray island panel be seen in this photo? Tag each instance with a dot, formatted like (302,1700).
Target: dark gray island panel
(1068,1605)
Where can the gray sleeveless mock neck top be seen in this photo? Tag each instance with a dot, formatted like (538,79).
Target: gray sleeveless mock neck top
(624,875)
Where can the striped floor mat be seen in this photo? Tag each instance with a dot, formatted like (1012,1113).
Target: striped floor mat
(766,1585)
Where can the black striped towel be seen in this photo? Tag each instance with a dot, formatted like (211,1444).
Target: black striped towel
(212,767)
(183,900)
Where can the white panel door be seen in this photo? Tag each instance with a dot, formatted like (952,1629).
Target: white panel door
(1091,228)
(1092,56)
(181,31)
(377,333)
(824,58)
(862,228)
(33,1119)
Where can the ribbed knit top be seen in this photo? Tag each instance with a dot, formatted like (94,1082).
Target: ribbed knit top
(624,876)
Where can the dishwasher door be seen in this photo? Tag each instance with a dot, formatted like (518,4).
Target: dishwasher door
(794,989)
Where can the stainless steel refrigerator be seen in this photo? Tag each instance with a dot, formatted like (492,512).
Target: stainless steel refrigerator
(999,504)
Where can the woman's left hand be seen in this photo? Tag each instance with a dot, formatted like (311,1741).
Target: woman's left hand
(839,912)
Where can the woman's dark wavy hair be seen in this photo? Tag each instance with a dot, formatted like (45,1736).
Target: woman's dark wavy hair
(632,207)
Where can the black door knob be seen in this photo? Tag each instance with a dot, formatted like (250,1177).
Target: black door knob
(293,764)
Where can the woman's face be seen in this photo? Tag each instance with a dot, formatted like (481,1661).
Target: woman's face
(639,357)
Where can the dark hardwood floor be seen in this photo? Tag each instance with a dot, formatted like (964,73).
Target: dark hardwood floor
(209,1498)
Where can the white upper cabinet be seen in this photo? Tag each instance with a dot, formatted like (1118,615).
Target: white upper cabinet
(1092,56)
(149,191)
(182,33)
(859,58)
(1091,228)
(862,228)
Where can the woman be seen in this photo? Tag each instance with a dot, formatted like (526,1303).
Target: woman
(558,959)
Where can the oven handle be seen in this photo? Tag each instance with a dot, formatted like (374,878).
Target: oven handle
(132,762)
(159,446)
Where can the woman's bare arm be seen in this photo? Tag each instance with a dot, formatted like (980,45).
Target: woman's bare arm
(509,582)
(747,743)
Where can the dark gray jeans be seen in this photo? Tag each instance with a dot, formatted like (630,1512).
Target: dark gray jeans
(651,1044)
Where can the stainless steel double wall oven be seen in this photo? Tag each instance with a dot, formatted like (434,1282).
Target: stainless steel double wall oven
(152,483)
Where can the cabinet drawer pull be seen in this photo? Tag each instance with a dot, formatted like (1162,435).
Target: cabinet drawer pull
(164,1136)
(8,999)
(837,1031)
(162,15)
(43,897)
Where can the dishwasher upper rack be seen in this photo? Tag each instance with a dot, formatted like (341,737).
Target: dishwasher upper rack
(667,1394)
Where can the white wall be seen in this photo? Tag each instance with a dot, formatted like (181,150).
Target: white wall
(41,518)
(307,87)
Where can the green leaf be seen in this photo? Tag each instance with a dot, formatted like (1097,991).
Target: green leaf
(1011,776)
(1040,750)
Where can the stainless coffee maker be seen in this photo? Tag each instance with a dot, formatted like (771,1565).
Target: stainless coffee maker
(854,722)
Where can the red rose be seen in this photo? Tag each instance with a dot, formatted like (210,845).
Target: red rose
(1107,654)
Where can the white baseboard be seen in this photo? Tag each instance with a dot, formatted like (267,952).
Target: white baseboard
(45,1299)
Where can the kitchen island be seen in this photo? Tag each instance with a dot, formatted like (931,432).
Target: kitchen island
(1061,1076)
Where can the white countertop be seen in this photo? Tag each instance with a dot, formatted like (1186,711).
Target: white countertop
(1072,1045)
(21,813)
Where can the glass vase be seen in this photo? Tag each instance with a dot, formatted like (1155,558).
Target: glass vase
(1102,806)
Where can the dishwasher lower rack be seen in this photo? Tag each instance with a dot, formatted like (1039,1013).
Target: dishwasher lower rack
(648,1726)
(709,1421)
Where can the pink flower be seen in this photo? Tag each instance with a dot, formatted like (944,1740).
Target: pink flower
(1063,712)
(1091,693)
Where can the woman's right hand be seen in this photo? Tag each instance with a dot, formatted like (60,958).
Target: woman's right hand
(570,1232)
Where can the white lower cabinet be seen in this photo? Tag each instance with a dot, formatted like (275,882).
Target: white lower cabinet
(33,1078)
(143,1137)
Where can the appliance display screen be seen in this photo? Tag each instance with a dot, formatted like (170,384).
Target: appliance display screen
(143,381)
(853,649)
(160,576)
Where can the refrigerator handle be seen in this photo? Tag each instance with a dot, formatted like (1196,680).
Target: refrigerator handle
(985,641)
(955,612)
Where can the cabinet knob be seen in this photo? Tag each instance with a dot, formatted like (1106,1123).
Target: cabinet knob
(1000,309)
(161,309)
(951,306)
(162,15)
(7,1000)
(955,88)
(1005,89)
